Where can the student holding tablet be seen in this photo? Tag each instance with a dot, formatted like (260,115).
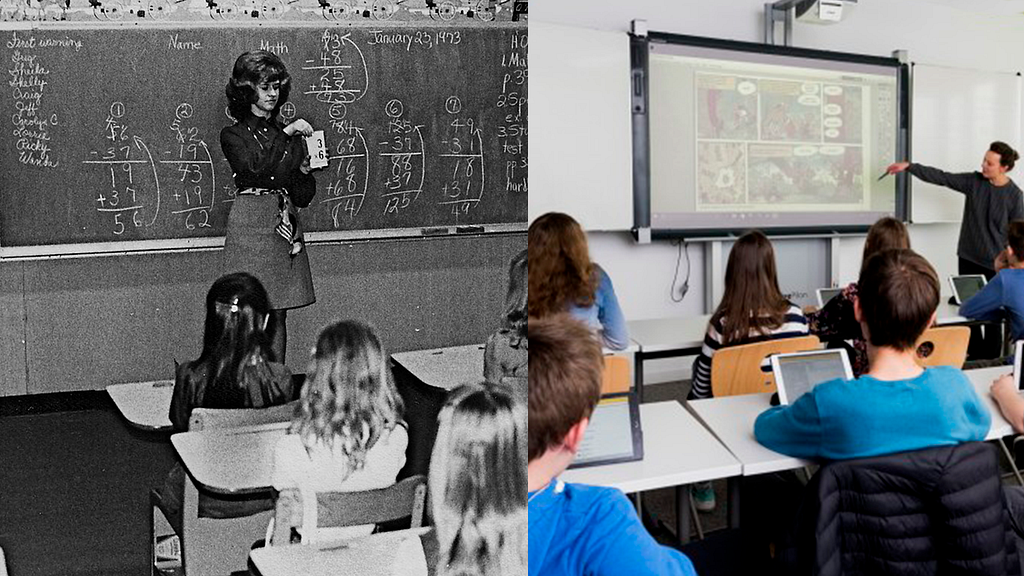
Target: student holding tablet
(1006,290)
(835,323)
(563,279)
(991,201)
(897,406)
(576,529)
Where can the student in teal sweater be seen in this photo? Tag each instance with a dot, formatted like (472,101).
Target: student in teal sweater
(897,406)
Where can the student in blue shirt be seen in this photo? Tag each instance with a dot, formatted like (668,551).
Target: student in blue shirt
(577,529)
(897,406)
(563,279)
(1006,290)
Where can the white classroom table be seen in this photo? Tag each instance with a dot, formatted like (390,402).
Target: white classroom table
(146,405)
(731,420)
(678,451)
(374,555)
(231,460)
(444,368)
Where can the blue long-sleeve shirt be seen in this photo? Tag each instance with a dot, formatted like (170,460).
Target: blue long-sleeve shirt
(604,314)
(844,419)
(1005,291)
(578,530)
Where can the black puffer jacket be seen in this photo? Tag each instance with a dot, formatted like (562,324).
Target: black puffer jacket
(937,511)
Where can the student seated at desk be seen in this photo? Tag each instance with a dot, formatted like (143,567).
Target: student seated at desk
(898,405)
(348,433)
(835,323)
(507,353)
(576,529)
(1006,290)
(234,370)
(563,279)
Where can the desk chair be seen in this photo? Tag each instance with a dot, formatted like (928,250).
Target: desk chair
(615,379)
(405,499)
(737,369)
(216,545)
(943,346)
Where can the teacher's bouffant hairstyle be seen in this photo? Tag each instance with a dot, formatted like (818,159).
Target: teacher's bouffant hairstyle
(251,69)
(561,273)
(478,483)
(1007,155)
(898,291)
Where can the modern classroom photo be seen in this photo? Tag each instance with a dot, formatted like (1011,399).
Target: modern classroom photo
(263,276)
(776,288)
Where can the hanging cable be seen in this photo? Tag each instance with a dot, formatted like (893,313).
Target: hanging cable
(683,247)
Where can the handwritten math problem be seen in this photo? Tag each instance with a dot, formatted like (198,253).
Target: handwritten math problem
(117,139)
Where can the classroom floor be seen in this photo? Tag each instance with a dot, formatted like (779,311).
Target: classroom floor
(74,486)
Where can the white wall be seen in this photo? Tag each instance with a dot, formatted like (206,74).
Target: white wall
(931,32)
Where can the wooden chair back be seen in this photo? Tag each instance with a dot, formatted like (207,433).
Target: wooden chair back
(943,346)
(206,418)
(616,378)
(737,369)
(405,499)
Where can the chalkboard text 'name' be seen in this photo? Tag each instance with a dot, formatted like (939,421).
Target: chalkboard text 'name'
(175,44)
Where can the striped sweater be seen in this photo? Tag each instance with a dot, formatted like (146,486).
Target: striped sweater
(794,324)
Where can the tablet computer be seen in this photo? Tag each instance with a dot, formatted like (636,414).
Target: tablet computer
(826,294)
(614,434)
(1018,346)
(966,286)
(797,373)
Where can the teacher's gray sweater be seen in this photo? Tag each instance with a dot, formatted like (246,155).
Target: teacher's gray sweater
(987,211)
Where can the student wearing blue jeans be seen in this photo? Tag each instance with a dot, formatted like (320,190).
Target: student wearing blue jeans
(577,529)
(897,405)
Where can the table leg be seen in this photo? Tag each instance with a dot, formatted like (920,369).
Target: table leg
(733,487)
(683,514)
(638,373)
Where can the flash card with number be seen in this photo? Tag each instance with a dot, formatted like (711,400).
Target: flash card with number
(317,149)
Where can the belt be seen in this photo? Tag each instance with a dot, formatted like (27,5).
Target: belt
(261,191)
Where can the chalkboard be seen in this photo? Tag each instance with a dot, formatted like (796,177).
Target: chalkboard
(112,138)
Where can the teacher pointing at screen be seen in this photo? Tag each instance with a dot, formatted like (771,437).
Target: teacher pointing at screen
(992,200)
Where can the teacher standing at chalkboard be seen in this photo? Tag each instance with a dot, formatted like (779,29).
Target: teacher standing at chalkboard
(272,174)
(992,200)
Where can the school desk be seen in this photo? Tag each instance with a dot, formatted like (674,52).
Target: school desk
(678,451)
(731,420)
(423,379)
(231,461)
(374,555)
(672,337)
(145,405)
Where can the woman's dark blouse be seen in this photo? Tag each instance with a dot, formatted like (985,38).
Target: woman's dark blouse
(263,156)
(835,323)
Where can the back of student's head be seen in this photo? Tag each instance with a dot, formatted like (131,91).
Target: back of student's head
(515,301)
(1015,238)
(235,348)
(887,233)
(565,379)
(349,398)
(561,272)
(478,482)
(751,301)
(898,292)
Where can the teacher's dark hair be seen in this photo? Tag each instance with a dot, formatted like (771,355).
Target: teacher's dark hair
(251,69)
(1007,155)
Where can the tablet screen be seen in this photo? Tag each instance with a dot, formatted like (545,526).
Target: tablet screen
(609,437)
(799,373)
(968,286)
(826,294)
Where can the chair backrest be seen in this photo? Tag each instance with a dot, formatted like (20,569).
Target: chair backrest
(336,509)
(206,418)
(737,369)
(616,378)
(938,511)
(943,346)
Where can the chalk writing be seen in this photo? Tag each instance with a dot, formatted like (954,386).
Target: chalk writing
(194,184)
(512,131)
(462,160)
(403,147)
(28,79)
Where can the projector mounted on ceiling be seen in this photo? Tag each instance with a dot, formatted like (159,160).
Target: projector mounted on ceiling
(811,11)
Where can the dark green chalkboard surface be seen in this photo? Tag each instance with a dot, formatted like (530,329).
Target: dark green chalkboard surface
(111,138)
